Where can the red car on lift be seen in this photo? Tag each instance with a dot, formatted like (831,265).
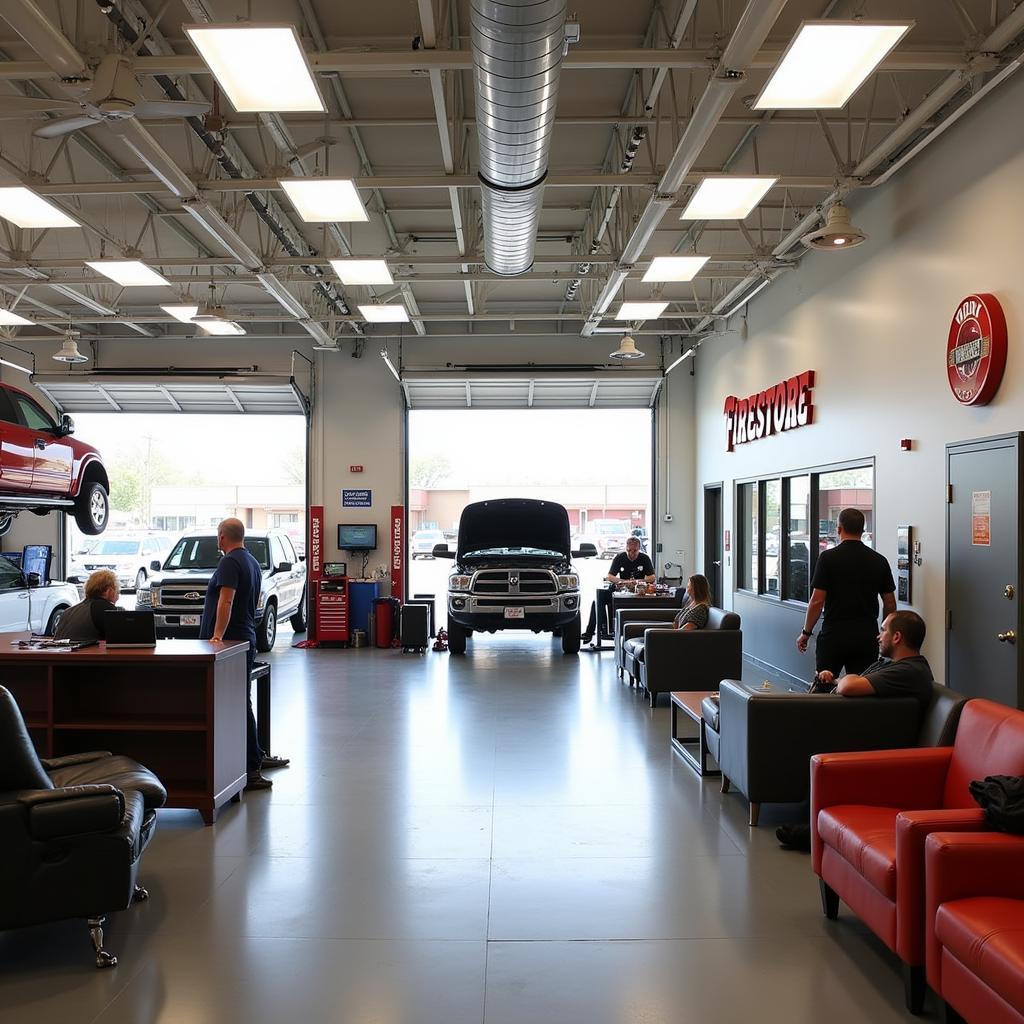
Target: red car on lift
(43,469)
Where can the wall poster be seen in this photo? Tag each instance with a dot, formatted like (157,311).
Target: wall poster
(981,518)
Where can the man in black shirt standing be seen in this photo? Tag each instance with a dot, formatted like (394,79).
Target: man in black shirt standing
(631,564)
(848,581)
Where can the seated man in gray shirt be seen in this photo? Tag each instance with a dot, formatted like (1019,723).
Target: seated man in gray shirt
(901,671)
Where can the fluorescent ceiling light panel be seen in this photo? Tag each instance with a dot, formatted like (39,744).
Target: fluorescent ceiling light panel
(128,273)
(9,319)
(640,310)
(222,328)
(362,271)
(386,313)
(183,314)
(674,268)
(322,200)
(21,206)
(726,198)
(260,68)
(827,62)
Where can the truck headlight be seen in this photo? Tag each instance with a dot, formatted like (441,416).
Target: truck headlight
(144,598)
(568,582)
(459,582)
(262,600)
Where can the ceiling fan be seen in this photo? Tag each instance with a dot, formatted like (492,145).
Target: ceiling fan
(115,94)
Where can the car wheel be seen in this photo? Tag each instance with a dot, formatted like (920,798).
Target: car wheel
(456,638)
(92,508)
(266,630)
(298,620)
(140,580)
(55,616)
(571,636)
(6,522)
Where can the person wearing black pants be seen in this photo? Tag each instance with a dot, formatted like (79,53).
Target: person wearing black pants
(848,581)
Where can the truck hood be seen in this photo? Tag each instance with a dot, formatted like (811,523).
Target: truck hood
(514,523)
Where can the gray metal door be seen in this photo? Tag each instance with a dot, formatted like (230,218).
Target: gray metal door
(983,554)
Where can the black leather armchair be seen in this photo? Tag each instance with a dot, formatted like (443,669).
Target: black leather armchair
(72,830)
(630,624)
(667,659)
(763,739)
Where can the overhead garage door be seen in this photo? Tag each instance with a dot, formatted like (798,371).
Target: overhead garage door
(268,395)
(612,391)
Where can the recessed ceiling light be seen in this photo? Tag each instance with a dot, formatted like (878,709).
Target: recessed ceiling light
(259,67)
(362,271)
(128,273)
(640,310)
(181,312)
(386,313)
(9,319)
(827,62)
(674,268)
(21,206)
(321,200)
(726,197)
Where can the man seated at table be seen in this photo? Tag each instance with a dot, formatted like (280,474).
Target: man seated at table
(85,621)
(628,566)
(900,671)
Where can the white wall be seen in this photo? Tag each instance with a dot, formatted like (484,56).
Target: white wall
(873,323)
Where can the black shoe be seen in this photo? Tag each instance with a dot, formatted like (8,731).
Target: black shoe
(794,837)
(269,761)
(586,638)
(257,781)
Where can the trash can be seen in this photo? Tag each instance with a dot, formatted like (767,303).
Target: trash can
(385,615)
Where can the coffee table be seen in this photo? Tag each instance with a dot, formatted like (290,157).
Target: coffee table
(689,704)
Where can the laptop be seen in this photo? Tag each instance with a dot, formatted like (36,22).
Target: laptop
(129,629)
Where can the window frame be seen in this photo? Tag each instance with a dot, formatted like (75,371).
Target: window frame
(740,526)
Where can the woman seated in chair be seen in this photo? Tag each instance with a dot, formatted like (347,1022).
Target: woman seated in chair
(695,613)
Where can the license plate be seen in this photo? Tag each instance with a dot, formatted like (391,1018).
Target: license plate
(190,620)
(515,613)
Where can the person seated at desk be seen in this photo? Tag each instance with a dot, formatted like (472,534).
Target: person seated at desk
(695,614)
(630,565)
(84,622)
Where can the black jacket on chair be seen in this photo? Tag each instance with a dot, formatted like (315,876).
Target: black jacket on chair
(72,828)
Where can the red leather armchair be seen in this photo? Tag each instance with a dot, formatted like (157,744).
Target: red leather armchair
(871,813)
(974,929)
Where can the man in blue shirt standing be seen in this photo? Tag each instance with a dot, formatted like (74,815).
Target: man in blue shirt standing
(230,614)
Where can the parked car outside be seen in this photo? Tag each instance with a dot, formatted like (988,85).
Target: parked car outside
(127,555)
(609,536)
(423,542)
(42,469)
(177,586)
(36,608)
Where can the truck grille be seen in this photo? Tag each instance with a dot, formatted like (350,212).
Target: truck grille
(531,581)
(173,595)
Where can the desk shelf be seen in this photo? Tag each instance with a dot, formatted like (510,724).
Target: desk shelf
(152,723)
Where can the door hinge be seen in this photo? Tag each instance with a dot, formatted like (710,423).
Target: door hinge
(949,494)
(949,618)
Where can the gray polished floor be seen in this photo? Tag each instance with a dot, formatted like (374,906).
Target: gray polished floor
(503,838)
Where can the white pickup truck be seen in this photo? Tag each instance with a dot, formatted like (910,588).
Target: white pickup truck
(37,608)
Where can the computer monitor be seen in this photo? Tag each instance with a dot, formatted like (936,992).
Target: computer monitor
(357,536)
(36,558)
(14,557)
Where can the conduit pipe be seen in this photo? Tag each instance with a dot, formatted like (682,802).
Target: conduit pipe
(517,59)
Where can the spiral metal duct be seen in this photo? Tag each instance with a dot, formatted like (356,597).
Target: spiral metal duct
(517,59)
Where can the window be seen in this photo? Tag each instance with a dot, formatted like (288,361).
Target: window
(173,522)
(783,522)
(7,411)
(277,551)
(33,417)
(283,518)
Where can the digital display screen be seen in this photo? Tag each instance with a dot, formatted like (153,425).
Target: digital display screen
(903,541)
(37,558)
(334,570)
(357,536)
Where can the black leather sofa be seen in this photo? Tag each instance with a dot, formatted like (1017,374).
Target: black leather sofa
(763,737)
(72,830)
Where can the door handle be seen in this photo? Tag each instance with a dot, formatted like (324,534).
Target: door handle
(40,442)
(1009,637)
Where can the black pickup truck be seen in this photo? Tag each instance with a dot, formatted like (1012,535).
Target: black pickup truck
(513,570)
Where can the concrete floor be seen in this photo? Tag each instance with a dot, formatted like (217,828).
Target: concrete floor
(503,838)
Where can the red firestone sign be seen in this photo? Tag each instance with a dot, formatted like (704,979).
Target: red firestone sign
(976,349)
(785,406)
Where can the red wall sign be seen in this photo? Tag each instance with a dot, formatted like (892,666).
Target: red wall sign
(355,469)
(398,551)
(976,349)
(315,564)
(786,406)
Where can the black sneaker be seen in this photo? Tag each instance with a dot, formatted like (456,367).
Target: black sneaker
(257,781)
(794,837)
(269,761)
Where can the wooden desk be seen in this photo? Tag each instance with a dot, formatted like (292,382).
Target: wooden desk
(178,708)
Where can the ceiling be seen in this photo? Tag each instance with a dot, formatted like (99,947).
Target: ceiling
(391,73)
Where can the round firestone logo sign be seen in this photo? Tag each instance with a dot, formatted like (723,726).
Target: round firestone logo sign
(976,349)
